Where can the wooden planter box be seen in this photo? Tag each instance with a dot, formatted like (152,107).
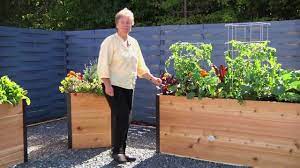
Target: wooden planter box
(256,133)
(89,121)
(13,136)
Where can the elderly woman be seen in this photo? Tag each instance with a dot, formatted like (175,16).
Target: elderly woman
(120,62)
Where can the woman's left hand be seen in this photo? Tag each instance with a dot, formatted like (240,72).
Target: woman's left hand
(156,81)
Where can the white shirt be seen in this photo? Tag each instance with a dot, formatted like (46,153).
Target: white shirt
(121,61)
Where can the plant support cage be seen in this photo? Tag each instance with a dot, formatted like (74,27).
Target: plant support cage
(254,32)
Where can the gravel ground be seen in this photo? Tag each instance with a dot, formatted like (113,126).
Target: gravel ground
(48,147)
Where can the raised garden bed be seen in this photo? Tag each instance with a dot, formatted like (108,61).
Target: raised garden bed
(89,121)
(255,133)
(244,112)
(13,137)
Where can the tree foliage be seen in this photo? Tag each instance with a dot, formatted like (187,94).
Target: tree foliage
(94,14)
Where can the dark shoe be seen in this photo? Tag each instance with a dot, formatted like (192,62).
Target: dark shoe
(130,159)
(120,158)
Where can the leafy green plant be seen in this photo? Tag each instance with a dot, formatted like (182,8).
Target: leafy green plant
(88,82)
(252,73)
(11,92)
(189,63)
(288,86)
(90,72)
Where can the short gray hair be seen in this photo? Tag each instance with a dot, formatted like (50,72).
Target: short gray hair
(124,12)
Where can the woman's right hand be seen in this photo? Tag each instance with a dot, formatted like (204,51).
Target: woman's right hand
(109,90)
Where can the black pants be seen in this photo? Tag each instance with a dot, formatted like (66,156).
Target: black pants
(120,105)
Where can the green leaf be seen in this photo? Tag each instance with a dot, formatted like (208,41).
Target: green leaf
(290,97)
(173,88)
(190,95)
(278,90)
(295,85)
(287,76)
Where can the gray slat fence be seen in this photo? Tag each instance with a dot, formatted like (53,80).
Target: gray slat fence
(36,60)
